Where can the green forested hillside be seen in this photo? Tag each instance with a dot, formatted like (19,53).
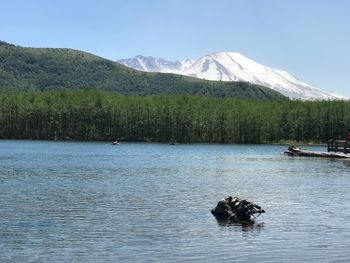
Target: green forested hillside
(51,68)
(101,115)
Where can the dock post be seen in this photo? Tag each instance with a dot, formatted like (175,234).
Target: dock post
(329,145)
(336,146)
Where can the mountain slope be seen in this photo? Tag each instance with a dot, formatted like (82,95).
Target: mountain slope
(231,66)
(52,68)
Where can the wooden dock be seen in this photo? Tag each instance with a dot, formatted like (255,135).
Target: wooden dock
(296,151)
(341,146)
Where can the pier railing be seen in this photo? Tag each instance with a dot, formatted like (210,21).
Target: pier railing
(338,146)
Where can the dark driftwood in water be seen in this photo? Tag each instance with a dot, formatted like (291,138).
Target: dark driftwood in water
(236,210)
(294,151)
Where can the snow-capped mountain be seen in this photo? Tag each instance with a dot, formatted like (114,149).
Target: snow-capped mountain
(152,64)
(231,66)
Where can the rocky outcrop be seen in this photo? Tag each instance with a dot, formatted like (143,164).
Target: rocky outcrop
(238,210)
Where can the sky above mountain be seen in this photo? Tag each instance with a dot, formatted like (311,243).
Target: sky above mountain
(309,39)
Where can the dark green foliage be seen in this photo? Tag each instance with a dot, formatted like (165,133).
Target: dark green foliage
(92,114)
(47,68)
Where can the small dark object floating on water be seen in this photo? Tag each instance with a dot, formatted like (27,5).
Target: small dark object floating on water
(237,210)
(115,143)
(296,151)
(173,142)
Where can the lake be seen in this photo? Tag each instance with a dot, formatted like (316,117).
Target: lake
(139,202)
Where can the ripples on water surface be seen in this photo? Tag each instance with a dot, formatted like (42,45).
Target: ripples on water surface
(93,202)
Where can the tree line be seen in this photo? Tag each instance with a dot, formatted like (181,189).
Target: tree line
(92,114)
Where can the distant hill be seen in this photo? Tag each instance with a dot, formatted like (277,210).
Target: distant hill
(24,68)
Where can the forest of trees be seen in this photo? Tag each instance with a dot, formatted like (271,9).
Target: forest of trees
(100,115)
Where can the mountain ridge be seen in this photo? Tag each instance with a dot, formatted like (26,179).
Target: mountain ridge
(152,64)
(233,66)
(24,68)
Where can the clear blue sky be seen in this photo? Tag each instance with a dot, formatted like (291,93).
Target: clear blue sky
(308,38)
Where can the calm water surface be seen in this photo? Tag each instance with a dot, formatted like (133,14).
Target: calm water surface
(93,202)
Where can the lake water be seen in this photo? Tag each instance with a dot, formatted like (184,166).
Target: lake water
(136,202)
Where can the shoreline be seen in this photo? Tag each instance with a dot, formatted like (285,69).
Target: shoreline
(159,142)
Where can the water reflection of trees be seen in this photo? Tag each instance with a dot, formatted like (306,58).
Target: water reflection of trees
(244,228)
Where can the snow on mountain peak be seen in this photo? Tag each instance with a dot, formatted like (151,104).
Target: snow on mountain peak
(233,66)
(152,64)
